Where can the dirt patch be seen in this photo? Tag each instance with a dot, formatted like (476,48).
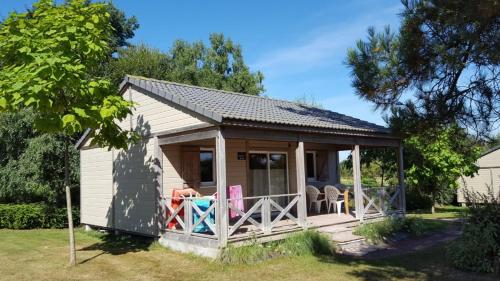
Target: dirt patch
(405,246)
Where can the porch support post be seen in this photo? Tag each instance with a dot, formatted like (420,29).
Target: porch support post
(401,180)
(358,192)
(301,184)
(222,212)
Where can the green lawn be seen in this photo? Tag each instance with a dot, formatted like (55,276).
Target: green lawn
(444,212)
(42,255)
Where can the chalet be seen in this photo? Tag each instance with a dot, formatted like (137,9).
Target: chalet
(216,167)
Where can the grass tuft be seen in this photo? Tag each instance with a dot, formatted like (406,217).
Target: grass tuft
(305,243)
(381,231)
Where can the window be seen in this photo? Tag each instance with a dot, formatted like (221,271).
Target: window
(207,163)
(311,165)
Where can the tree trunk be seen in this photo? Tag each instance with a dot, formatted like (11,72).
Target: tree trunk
(72,250)
(382,176)
(433,209)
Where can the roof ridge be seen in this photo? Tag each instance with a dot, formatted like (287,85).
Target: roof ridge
(224,91)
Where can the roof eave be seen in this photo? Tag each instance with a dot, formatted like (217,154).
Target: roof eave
(283,127)
(83,139)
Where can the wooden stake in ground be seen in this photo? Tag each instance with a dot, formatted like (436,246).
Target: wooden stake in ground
(72,250)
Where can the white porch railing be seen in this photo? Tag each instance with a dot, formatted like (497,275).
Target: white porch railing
(381,200)
(264,215)
(189,218)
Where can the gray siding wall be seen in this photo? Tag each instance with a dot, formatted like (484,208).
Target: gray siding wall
(134,183)
(488,175)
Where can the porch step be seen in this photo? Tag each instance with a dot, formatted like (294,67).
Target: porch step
(347,242)
(356,248)
(340,235)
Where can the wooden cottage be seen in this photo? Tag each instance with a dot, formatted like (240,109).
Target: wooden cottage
(196,142)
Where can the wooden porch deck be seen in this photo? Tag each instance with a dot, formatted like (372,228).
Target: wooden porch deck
(320,220)
(284,227)
(249,234)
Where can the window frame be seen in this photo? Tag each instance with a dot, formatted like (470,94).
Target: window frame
(315,178)
(214,174)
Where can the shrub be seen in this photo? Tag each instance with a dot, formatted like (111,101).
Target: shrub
(478,248)
(416,200)
(378,232)
(307,242)
(29,216)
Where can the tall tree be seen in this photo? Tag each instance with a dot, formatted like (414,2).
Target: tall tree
(139,60)
(19,140)
(220,65)
(375,163)
(47,60)
(123,27)
(436,158)
(308,100)
(31,163)
(445,54)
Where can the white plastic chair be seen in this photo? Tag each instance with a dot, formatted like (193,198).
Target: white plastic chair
(332,195)
(313,195)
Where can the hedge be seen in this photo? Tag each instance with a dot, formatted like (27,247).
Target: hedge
(29,216)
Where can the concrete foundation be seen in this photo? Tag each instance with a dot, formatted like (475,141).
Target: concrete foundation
(185,247)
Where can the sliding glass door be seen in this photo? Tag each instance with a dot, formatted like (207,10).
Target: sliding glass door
(269,174)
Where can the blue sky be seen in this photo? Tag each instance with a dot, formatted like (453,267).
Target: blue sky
(300,46)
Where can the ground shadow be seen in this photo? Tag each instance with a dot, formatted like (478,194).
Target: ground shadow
(118,245)
(426,264)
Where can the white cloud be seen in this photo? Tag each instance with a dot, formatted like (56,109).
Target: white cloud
(312,53)
(322,46)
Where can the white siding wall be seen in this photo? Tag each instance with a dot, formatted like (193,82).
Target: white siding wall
(96,187)
(134,181)
(488,174)
(152,114)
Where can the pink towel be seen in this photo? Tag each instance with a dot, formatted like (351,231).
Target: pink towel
(236,193)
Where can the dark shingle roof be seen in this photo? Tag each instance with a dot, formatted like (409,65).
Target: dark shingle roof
(224,106)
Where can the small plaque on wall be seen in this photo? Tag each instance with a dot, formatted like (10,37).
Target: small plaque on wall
(242,156)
